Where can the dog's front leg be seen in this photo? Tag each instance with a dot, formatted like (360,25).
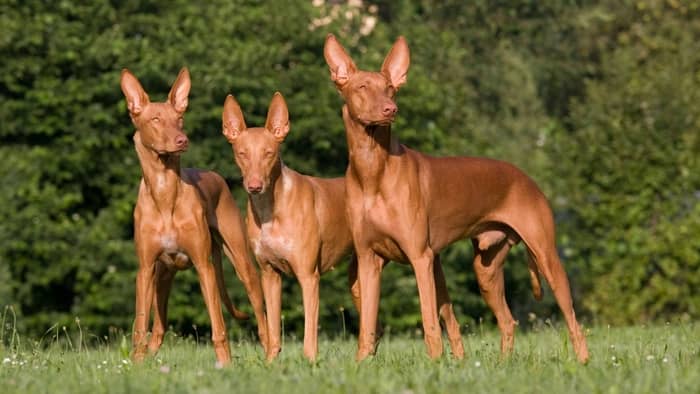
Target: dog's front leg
(272,288)
(425,278)
(446,311)
(207,281)
(309,287)
(163,284)
(242,262)
(199,250)
(145,283)
(369,269)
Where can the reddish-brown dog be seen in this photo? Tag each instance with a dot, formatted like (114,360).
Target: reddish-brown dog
(406,206)
(296,223)
(181,218)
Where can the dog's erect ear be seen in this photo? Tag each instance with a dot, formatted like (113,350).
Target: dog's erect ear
(340,64)
(136,97)
(180,90)
(396,63)
(278,117)
(232,117)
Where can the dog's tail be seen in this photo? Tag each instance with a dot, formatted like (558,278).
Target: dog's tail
(534,277)
(223,293)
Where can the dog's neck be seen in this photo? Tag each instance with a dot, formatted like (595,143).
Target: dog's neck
(161,175)
(369,148)
(263,206)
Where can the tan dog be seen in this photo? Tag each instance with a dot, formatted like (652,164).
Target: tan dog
(407,206)
(296,223)
(181,218)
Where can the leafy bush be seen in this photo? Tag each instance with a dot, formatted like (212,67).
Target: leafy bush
(595,100)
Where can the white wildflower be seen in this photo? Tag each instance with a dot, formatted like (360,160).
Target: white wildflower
(368,23)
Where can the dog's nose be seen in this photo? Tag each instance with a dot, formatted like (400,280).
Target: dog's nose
(255,186)
(181,141)
(389,109)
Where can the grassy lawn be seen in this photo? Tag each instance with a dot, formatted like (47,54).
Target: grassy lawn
(641,359)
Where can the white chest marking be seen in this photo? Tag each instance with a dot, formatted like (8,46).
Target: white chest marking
(169,243)
(272,244)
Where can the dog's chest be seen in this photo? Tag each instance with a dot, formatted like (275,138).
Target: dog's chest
(273,246)
(171,233)
(382,225)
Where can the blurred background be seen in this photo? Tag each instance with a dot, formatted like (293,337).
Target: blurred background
(595,100)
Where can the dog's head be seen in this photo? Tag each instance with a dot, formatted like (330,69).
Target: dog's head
(369,96)
(256,150)
(160,125)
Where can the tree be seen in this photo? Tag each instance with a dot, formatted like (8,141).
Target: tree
(594,100)
(629,170)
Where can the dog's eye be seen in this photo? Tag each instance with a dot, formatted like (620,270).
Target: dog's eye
(363,86)
(242,154)
(269,153)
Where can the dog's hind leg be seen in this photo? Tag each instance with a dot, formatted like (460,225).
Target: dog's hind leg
(553,271)
(488,266)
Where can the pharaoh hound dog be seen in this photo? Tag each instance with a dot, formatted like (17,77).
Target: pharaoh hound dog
(181,218)
(407,206)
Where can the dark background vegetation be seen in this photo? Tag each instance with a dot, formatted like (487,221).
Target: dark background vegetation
(596,100)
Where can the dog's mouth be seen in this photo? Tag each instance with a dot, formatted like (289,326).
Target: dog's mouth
(176,152)
(382,122)
(167,156)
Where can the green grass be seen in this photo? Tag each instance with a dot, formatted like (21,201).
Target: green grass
(658,359)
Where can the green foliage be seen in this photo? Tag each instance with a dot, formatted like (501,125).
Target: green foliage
(633,169)
(594,100)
